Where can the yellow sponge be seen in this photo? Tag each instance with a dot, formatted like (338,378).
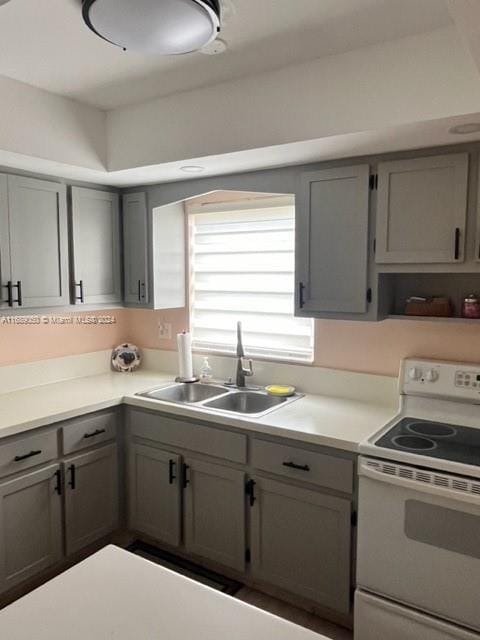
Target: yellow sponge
(280,390)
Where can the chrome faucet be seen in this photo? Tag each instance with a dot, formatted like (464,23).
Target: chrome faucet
(244,366)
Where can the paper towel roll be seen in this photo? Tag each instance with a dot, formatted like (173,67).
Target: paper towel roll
(185,363)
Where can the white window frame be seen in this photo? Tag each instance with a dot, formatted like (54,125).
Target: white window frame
(221,348)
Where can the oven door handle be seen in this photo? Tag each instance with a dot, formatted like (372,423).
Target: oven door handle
(420,486)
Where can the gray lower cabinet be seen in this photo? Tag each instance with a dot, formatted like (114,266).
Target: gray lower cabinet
(301,542)
(135,249)
(332,242)
(155,493)
(33,243)
(96,246)
(30,525)
(91,496)
(215,512)
(421,209)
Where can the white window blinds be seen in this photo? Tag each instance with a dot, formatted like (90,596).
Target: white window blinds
(242,268)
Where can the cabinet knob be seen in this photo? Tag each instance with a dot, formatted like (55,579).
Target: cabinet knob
(414,373)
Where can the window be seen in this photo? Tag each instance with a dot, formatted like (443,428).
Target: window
(242,268)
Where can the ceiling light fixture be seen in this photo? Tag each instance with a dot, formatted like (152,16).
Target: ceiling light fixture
(192,169)
(154,26)
(464,129)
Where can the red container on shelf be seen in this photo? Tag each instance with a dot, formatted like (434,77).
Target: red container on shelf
(471,307)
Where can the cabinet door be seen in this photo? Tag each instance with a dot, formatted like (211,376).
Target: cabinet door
(421,210)
(5,264)
(38,242)
(96,246)
(135,247)
(215,513)
(301,542)
(332,241)
(91,497)
(155,493)
(30,525)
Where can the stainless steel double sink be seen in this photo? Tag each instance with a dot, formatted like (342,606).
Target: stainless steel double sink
(252,402)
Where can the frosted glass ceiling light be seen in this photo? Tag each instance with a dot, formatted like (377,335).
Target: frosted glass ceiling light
(154,26)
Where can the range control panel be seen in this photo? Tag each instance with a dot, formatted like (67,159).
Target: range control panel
(439,378)
(467,379)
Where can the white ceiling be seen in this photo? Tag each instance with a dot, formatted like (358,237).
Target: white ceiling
(412,136)
(47,45)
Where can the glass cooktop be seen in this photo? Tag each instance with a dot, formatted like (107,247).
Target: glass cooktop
(434,439)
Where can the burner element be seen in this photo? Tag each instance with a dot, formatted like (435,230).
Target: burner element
(432,429)
(414,443)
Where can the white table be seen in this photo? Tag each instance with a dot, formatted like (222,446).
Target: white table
(115,595)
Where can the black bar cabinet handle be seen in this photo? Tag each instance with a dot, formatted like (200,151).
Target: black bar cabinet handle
(28,455)
(185,478)
(171,471)
(9,287)
(97,432)
(71,469)
(139,290)
(58,486)
(299,467)
(301,291)
(19,293)
(457,243)
(81,297)
(250,491)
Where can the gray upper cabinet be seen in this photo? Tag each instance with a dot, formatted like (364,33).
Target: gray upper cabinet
(215,513)
(91,497)
(34,243)
(332,241)
(421,210)
(96,246)
(5,264)
(154,505)
(301,541)
(30,525)
(135,248)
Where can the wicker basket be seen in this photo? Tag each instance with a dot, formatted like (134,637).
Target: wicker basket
(434,307)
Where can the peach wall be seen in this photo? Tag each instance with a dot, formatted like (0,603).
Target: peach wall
(372,347)
(367,347)
(378,347)
(144,327)
(25,343)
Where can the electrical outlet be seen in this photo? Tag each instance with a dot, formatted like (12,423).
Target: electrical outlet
(165,330)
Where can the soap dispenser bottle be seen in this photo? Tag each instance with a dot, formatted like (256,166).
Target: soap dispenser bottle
(206,372)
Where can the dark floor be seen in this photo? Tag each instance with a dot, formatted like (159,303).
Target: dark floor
(291,613)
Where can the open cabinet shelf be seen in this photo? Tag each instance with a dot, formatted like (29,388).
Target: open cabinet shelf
(395,288)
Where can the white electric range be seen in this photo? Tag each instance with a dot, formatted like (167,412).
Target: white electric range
(418,568)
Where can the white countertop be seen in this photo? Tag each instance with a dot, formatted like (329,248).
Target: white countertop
(115,595)
(322,420)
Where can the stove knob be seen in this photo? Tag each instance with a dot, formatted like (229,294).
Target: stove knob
(432,375)
(415,373)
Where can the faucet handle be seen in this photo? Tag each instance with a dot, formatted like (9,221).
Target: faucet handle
(247,367)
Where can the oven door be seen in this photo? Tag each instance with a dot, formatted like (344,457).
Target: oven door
(419,539)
